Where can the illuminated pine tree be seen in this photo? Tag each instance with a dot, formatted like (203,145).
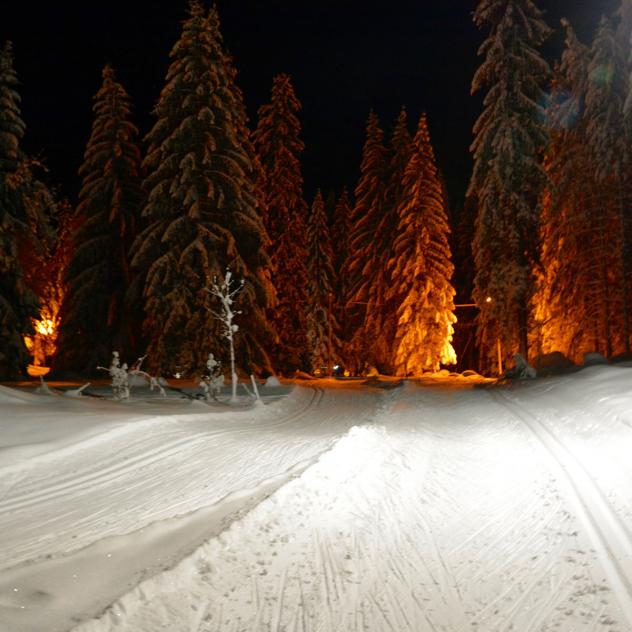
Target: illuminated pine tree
(582,303)
(25,204)
(566,290)
(95,317)
(366,217)
(279,148)
(202,212)
(421,268)
(508,177)
(322,327)
(608,144)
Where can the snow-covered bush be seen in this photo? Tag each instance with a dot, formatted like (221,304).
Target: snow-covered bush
(122,377)
(272,381)
(522,370)
(213,381)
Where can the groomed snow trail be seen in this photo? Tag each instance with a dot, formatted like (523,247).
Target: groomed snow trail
(81,504)
(606,529)
(450,513)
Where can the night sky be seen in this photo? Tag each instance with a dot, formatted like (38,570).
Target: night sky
(344,57)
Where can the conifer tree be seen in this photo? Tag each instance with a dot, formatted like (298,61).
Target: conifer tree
(322,327)
(95,318)
(583,299)
(508,177)
(340,236)
(279,148)
(381,315)
(24,206)
(44,270)
(202,213)
(421,268)
(607,144)
(463,281)
(566,296)
(366,217)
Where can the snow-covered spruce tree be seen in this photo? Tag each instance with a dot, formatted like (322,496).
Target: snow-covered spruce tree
(380,324)
(567,294)
(366,217)
(279,148)
(24,226)
(608,145)
(581,304)
(95,317)
(421,267)
(508,177)
(202,214)
(340,223)
(322,327)
(463,282)
(44,270)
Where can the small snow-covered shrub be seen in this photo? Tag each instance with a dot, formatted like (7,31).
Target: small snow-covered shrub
(554,363)
(594,358)
(122,377)
(522,369)
(272,381)
(213,381)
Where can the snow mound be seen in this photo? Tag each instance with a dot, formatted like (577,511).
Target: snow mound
(14,396)
(272,381)
(594,358)
(554,363)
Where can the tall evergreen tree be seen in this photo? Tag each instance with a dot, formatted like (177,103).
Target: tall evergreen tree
(583,300)
(607,144)
(279,148)
(422,268)
(508,177)
(463,281)
(340,237)
(202,212)
(44,270)
(24,205)
(380,324)
(322,327)
(95,319)
(366,217)
(568,290)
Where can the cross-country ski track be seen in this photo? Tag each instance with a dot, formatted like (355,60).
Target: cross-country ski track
(341,507)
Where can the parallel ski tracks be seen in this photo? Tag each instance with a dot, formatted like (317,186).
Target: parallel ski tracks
(607,531)
(76,481)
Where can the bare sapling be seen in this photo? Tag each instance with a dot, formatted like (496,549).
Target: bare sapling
(226,291)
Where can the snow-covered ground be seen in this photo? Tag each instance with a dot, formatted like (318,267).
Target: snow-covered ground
(339,506)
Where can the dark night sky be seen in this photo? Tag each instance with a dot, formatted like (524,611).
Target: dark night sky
(345,58)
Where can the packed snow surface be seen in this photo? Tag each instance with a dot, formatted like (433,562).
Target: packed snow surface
(431,506)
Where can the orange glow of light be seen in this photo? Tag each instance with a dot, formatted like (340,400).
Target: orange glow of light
(36,371)
(488,299)
(43,343)
(45,327)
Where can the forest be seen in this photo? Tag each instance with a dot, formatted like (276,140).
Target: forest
(381,276)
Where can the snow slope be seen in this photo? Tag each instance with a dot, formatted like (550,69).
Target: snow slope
(427,507)
(95,495)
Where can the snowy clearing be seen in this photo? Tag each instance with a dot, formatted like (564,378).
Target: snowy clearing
(336,507)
